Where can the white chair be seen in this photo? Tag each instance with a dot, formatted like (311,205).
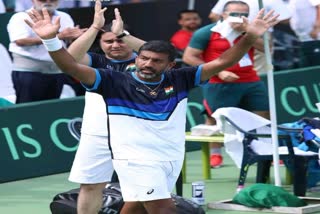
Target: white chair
(247,139)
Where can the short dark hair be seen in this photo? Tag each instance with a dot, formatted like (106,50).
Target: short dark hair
(186,11)
(234,2)
(160,46)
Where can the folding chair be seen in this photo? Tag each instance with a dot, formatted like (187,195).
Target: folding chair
(256,146)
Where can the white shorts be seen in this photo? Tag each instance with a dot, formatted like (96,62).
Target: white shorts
(92,163)
(142,180)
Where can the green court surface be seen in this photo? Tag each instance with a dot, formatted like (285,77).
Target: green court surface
(33,196)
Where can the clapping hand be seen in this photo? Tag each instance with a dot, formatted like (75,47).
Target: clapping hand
(98,20)
(117,23)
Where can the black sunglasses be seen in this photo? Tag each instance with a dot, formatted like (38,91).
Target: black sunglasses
(236,14)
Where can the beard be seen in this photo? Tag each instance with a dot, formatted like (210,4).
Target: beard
(147,76)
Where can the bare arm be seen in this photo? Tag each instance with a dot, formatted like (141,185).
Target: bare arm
(46,30)
(259,45)
(68,65)
(37,41)
(133,42)
(117,28)
(80,46)
(316,27)
(192,56)
(253,31)
(28,41)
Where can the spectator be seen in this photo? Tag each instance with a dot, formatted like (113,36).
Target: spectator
(189,21)
(6,87)
(146,110)
(35,76)
(278,6)
(305,21)
(240,80)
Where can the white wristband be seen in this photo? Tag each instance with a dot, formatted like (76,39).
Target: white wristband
(53,44)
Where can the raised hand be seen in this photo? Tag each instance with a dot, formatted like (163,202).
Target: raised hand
(98,20)
(261,23)
(42,25)
(117,23)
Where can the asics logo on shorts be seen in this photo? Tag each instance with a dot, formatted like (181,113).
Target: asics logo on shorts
(150,191)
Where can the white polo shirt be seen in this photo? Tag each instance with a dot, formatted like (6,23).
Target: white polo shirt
(18,29)
(304,16)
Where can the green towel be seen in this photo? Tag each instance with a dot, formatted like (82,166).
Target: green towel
(267,196)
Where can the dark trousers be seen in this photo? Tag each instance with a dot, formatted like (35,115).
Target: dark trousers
(36,86)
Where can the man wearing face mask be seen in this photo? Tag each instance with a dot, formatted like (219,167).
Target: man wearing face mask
(241,80)
(35,76)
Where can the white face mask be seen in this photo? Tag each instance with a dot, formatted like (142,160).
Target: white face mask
(225,30)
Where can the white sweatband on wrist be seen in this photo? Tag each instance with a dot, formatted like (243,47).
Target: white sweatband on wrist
(53,44)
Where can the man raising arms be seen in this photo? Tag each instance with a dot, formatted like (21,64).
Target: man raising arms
(147,110)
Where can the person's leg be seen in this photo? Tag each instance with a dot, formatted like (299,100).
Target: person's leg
(216,159)
(256,100)
(133,207)
(218,96)
(148,183)
(162,206)
(92,168)
(26,85)
(90,198)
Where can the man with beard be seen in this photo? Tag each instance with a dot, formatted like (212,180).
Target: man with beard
(146,108)
(35,76)
(189,20)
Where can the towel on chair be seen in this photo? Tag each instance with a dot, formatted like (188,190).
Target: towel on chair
(233,138)
(247,121)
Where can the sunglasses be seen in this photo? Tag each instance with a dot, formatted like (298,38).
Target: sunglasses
(236,14)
